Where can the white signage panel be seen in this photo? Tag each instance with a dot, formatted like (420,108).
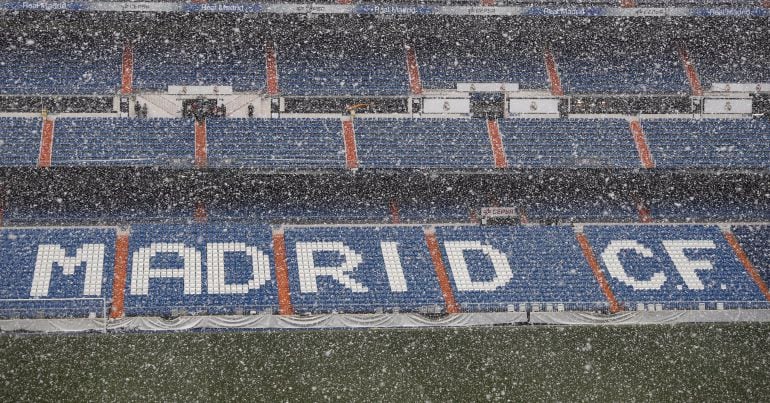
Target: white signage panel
(533,106)
(738,106)
(491,212)
(446,105)
(200,90)
(488,87)
(740,87)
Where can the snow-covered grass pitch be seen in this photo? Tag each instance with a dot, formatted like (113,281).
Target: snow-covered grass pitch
(650,363)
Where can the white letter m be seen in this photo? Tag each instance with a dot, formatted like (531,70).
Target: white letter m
(49,255)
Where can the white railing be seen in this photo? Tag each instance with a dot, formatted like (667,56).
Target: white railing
(235,104)
(536,306)
(693,305)
(207,309)
(92,307)
(161,105)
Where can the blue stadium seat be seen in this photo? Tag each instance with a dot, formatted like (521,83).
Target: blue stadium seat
(165,62)
(341,66)
(711,208)
(501,268)
(56,272)
(446,61)
(368,282)
(19,141)
(423,143)
(229,269)
(626,67)
(391,143)
(755,241)
(278,209)
(84,212)
(196,269)
(46,64)
(275,143)
(678,266)
(731,58)
(123,142)
(439,210)
(568,143)
(580,209)
(692,3)
(738,143)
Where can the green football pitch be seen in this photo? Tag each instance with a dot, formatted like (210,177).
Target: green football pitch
(723,362)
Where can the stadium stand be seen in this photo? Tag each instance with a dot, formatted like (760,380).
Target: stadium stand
(695,3)
(432,143)
(19,141)
(573,3)
(574,208)
(275,143)
(271,204)
(755,241)
(544,208)
(55,272)
(232,268)
(497,268)
(730,58)
(82,211)
(205,60)
(568,143)
(121,142)
(366,66)
(710,208)
(203,243)
(540,3)
(676,267)
(360,269)
(40,61)
(310,210)
(632,67)
(437,210)
(196,269)
(739,143)
(498,58)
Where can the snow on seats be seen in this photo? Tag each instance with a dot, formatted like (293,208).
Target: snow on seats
(755,241)
(494,268)
(123,142)
(725,143)
(423,143)
(230,269)
(275,143)
(616,64)
(360,269)
(19,141)
(678,266)
(193,269)
(55,272)
(42,61)
(565,143)
(341,65)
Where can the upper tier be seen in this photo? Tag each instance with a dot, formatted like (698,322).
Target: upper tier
(355,57)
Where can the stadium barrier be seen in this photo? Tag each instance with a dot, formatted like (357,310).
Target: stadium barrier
(299,144)
(456,8)
(28,308)
(384,320)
